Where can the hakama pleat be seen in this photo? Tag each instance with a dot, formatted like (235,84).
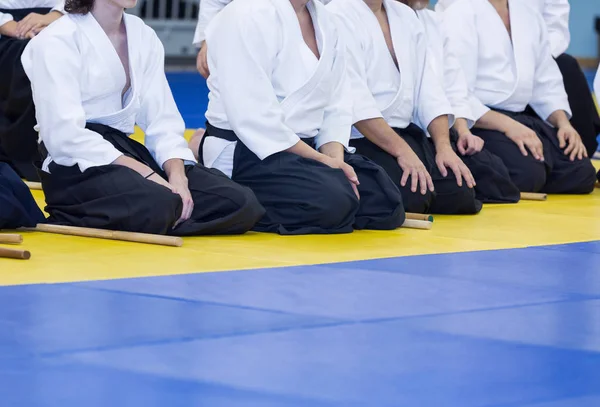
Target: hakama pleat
(118,198)
(585,115)
(303,196)
(18,139)
(448,197)
(17,206)
(557,174)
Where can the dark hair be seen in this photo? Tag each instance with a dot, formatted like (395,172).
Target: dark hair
(79,6)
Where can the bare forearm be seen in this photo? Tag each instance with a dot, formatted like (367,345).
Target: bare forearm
(382,135)
(333,150)
(461,126)
(304,150)
(559,119)
(136,166)
(438,128)
(174,168)
(494,121)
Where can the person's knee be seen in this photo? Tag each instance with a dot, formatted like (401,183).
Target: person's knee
(465,201)
(157,210)
(246,206)
(415,202)
(336,206)
(530,176)
(584,177)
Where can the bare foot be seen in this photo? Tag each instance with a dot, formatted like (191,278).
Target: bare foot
(194,143)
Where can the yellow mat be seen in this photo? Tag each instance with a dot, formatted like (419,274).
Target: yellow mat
(55,258)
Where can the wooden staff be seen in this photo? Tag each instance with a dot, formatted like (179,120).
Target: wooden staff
(419,216)
(110,234)
(532,196)
(417,224)
(11,238)
(34,185)
(14,254)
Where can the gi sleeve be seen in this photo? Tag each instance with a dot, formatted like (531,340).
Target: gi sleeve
(207,10)
(53,65)
(158,116)
(460,29)
(556,16)
(60,7)
(241,56)
(455,83)
(549,93)
(430,98)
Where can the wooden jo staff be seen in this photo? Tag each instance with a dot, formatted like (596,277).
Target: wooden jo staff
(532,196)
(34,185)
(10,239)
(417,224)
(419,216)
(13,253)
(110,234)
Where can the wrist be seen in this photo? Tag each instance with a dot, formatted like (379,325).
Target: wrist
(442,145)
(462,127)
(52,17)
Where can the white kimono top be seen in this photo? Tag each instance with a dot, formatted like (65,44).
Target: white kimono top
(447,66)
(409,93)
(556,17)
(207,10)
(267,85)
(503,73)
(77,77)
(58,5)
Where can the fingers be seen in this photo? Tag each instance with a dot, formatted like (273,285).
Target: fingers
(457,173)
(561,138)
(350,174)
(423,181)
(442,167)
(429,181)
(355,188)
(25,25)
(405,175)
(461,146)
(472,146)
(521,146)
(414,181)
(466,173)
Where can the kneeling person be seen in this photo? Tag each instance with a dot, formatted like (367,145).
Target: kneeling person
(106,68)
(396,95)
(505,54)
(279,120)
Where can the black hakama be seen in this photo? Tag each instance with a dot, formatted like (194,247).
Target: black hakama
(303,196)
(494,184)
(17,207)
(585,115)
(556,175)
(448,197)
(118,198)
(18,139)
